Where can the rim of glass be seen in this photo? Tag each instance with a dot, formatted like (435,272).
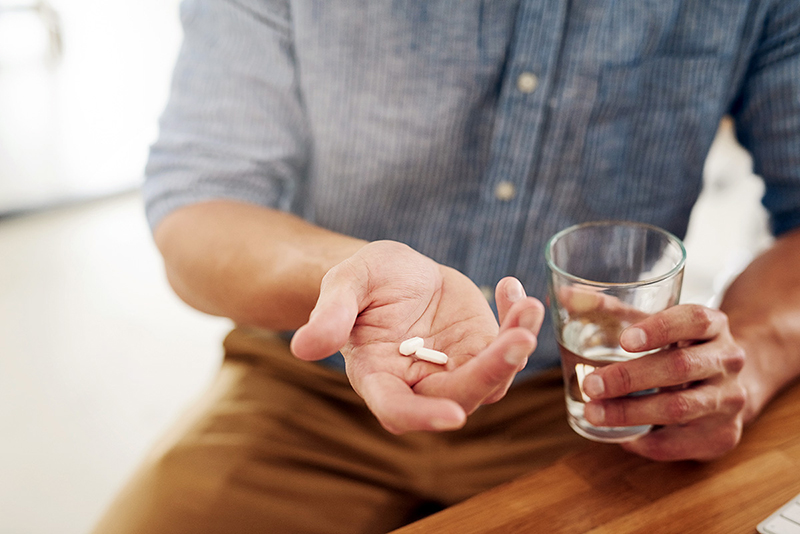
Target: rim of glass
(670,237)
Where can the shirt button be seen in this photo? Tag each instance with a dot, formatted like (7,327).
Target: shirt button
(527,82)
(488,293)
(505,191)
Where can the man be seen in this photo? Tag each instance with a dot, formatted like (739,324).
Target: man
(348,176)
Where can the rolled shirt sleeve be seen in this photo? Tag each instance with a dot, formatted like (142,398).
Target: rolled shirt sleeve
(767,114)
(234,125)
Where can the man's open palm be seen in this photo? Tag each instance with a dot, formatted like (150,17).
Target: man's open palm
(387,293)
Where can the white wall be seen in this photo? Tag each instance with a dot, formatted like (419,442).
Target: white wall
(80,126)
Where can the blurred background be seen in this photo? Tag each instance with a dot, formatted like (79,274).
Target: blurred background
(97,356)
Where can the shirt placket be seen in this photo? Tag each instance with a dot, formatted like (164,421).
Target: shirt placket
(516,143)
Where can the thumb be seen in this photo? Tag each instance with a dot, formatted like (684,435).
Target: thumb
(332,319)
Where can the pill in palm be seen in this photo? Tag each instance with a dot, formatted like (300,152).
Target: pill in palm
(410,346)
(430,355)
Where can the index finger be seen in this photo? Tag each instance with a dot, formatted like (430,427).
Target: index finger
(685,322)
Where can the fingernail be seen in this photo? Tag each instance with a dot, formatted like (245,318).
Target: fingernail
(594,412)
(516,355)
(593,386)
(514,290)
(633,338)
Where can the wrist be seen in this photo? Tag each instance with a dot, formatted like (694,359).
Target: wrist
(760,377)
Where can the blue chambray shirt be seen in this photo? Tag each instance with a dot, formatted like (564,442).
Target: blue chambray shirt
(473,130)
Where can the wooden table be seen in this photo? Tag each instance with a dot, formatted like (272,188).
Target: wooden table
(603,489)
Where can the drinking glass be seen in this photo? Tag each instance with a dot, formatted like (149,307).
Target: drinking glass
(603,277)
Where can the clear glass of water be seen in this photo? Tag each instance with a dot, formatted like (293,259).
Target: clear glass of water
(603,277)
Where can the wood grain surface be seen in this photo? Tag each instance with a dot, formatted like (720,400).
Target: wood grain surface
(603,489)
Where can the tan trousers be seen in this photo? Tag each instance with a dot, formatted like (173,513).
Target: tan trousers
(278,445)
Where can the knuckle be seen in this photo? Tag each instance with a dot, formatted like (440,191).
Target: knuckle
(737,400)
(661,328)
(701,317)
(620,375)
(683,364)
(680,408)
(735,359)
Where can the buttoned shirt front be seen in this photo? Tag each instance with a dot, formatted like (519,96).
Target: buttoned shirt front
(473,130)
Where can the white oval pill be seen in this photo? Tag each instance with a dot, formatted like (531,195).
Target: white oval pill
(430,355)
(410,346)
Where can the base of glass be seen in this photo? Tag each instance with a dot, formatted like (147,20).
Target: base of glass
(607,434)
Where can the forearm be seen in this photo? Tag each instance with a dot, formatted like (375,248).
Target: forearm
(254,265)
(763,306)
